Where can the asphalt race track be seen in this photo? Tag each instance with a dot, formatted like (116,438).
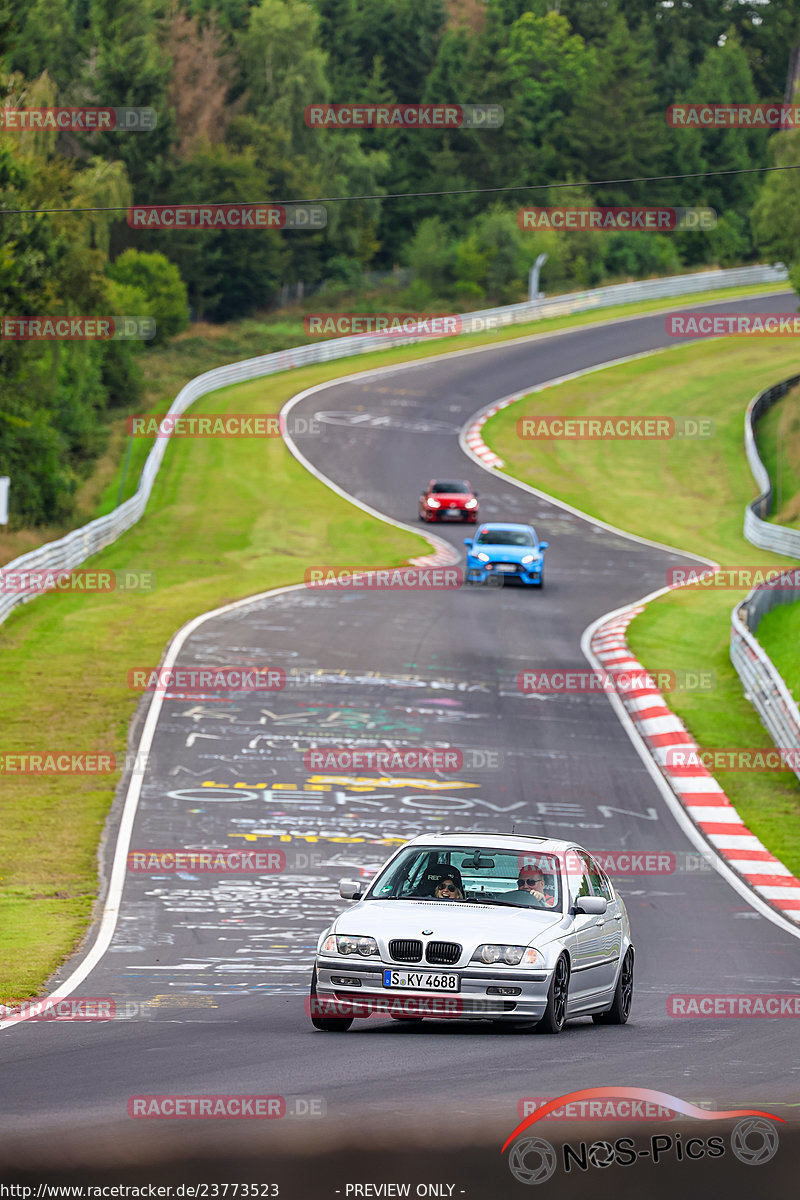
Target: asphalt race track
(210,972)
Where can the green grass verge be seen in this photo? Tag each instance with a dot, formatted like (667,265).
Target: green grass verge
(779,633)
(778,440)
(218,527)
(690,494)
(227,518)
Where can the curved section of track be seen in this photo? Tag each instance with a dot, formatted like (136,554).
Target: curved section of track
(212,970)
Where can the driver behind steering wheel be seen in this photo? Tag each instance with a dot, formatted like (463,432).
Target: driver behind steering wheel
(539,886)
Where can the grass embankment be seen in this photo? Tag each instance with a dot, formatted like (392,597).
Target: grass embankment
(227,518)
(690,494)
(218,527)
(779,634)
(778,436)
(778,440)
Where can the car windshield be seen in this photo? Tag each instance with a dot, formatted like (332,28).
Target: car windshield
(445,486)
(505,537)
(525,879)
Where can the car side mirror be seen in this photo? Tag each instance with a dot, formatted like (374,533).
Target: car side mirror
(467,541)
(476,494)
(350,890)
(543,545)
(593,906)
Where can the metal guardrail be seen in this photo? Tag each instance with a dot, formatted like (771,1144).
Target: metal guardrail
(763,684)
(79,545)
(760,532)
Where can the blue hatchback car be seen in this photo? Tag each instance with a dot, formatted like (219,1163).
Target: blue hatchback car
(501,551)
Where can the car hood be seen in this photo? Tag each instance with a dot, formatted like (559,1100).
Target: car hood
(505,553)
(451,497)
(448,920)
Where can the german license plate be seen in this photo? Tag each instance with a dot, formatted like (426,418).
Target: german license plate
(426,981)
(453,512)
(506,568)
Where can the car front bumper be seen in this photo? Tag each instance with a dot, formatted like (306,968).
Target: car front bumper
(451,514)
(478,998)
(478,572)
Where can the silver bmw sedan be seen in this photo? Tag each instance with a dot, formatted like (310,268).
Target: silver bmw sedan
(478,926)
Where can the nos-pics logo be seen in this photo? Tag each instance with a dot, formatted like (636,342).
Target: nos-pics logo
(534,1160)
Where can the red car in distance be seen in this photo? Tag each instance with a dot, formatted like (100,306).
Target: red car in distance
(448,500)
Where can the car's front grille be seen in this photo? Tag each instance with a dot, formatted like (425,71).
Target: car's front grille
(406,950)
(442,952)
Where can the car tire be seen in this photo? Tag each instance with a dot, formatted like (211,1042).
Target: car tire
(623,996)
(326,1024)
(555,1014)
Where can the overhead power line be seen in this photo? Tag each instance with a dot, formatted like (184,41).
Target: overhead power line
(513,187)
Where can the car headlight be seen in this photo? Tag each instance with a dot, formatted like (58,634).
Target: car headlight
(433,503)
(511,956)
(482,557)
(529,558)
(471,504)
(343,943)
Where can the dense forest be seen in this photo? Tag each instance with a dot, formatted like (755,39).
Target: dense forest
(584,85)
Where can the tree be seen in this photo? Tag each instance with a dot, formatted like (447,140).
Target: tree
(543,71)
(284,66)
(776,213)
(160,283)
(228,272)
(202,71)
(617,130)
(431,256)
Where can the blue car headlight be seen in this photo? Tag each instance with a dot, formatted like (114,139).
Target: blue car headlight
(482,557)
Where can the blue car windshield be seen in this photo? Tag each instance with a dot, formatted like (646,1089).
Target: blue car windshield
(505,537)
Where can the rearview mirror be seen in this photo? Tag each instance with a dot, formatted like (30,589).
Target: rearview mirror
(593,906)
(543,545)
(467,541)
(349,889)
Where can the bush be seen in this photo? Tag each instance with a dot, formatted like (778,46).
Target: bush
(159,282)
